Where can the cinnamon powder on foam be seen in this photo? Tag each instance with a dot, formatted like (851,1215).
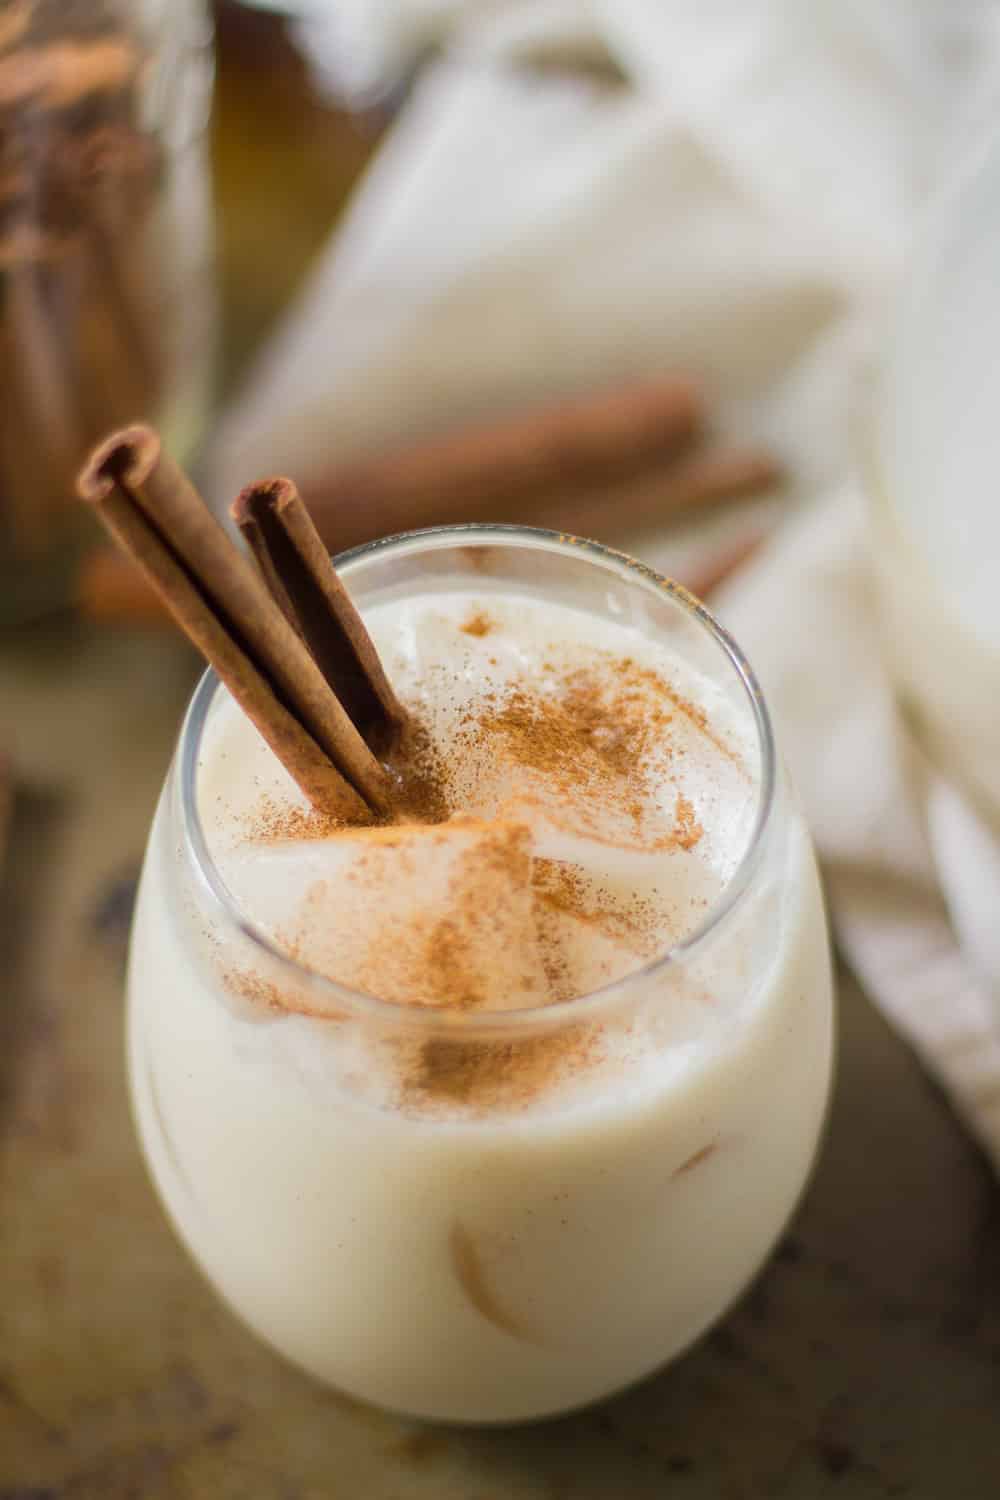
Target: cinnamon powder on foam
(590,730)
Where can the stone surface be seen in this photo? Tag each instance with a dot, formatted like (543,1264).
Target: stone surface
(864,1363)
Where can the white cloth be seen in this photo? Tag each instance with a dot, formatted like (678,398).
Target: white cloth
(737,208)
(912,876)
(726,187)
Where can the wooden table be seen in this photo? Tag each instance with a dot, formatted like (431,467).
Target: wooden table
(864,1363)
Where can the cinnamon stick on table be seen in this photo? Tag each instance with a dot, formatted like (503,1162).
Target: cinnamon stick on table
(297,569)
(696,480)
(216,596)
(599,466)
(506,470)
(703,578)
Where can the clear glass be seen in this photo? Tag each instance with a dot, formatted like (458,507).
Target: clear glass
(106,311)
(457,1260)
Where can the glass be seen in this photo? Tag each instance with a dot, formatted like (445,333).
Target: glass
(105,303)
(503,1262)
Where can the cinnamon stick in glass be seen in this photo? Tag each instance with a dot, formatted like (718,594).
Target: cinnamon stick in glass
(214,593)
(297,569)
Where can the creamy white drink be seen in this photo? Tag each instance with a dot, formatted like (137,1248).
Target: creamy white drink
(482,1116)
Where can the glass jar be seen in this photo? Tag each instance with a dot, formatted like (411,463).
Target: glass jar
(105,303)
(380,1190)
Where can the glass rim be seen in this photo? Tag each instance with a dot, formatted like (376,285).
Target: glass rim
(432,1018)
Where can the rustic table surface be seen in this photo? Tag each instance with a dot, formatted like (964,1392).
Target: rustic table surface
(864,1363)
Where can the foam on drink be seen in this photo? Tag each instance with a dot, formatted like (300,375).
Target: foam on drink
(564,806)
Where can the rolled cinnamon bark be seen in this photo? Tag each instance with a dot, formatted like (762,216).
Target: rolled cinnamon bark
(720,566)
(694,478)
(502,470)
(215,595)
(297,569)
(698,480)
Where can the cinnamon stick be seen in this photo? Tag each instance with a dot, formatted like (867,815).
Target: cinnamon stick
(720,566)
(213,592)
(701,479)
(499,470)
(297,569)
(630,501)
(697,481)
(111,589)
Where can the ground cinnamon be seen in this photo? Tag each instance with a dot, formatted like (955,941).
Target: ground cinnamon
(478,624)
(588,735)
(493,1074)
(506,926)
(586,741)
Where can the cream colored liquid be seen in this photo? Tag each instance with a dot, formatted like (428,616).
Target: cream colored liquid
(490,1259)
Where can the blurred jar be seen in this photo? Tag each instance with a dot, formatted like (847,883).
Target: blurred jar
(106,312)
(933,470)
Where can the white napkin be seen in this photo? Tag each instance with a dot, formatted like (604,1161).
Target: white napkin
(913,877)
(726,187)
(737,208)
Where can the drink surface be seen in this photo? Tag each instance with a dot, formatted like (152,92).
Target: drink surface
(486,1201)
(598,795)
